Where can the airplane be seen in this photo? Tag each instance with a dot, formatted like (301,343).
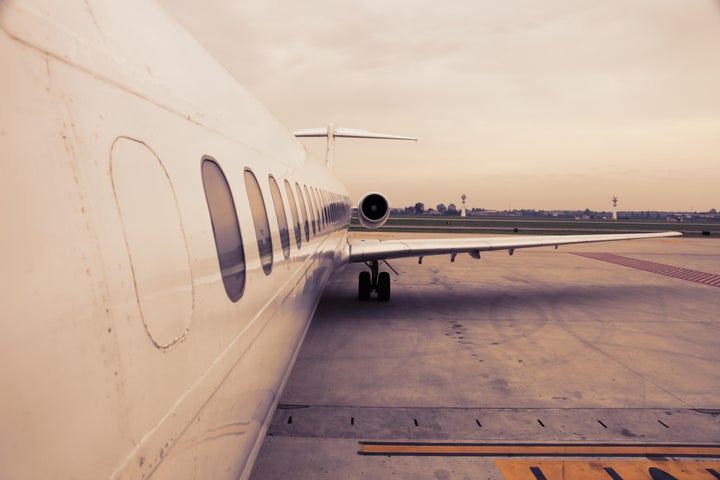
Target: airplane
(165,244)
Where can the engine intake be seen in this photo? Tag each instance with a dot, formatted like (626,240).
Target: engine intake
(373,210)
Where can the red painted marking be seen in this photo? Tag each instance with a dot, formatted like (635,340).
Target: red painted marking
(696,276)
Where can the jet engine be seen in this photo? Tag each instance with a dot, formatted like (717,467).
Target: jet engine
(373,210)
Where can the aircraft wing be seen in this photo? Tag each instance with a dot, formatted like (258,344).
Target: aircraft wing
(363,250)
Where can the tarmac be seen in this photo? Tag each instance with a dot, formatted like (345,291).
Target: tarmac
(575,363)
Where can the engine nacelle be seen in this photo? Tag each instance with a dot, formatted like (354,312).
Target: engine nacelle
(373,210)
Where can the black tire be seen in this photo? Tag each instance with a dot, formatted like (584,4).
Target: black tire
(383,287)
(364,286)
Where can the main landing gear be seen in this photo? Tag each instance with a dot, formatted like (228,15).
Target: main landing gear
(374,281)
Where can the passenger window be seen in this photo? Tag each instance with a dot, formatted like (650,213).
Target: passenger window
(311,207)
(321,201)
(321,204)
(226,229)
(333,207)
(281,218)
(260,220)
(313,193)
(294,212)
(336,208)
(304,211)
(323,207)
(326,204)
(313,196)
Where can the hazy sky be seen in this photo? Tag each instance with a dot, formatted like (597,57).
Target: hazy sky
(558,104)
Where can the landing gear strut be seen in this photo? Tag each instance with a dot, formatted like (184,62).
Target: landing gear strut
(374,281)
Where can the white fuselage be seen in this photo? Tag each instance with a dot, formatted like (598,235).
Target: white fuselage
(122,354)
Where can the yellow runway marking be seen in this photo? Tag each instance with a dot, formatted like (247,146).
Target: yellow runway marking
(531,450)
(607,470)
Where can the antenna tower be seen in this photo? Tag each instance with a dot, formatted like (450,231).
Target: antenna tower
(615,202)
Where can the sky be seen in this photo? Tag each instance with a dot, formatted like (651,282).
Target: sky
(520,104)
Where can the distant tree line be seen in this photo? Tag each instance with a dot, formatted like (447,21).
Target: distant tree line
(452,210)
(419,209)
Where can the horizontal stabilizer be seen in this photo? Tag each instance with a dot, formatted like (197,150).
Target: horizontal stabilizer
(330,132)
(348,133)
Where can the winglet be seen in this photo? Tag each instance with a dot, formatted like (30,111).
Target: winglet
(331,133)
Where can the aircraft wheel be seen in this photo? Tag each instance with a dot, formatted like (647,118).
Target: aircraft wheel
(383,287)
(364,286)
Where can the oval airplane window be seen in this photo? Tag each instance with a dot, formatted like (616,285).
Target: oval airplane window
(260,220)
(326,203)
(304,211)
(321,210)
(294,212)
(321,207)
(328,216)
(226,229)
(311,207)
(326,206)
(318,202)
(313,194)
(281,218)
(155,240)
